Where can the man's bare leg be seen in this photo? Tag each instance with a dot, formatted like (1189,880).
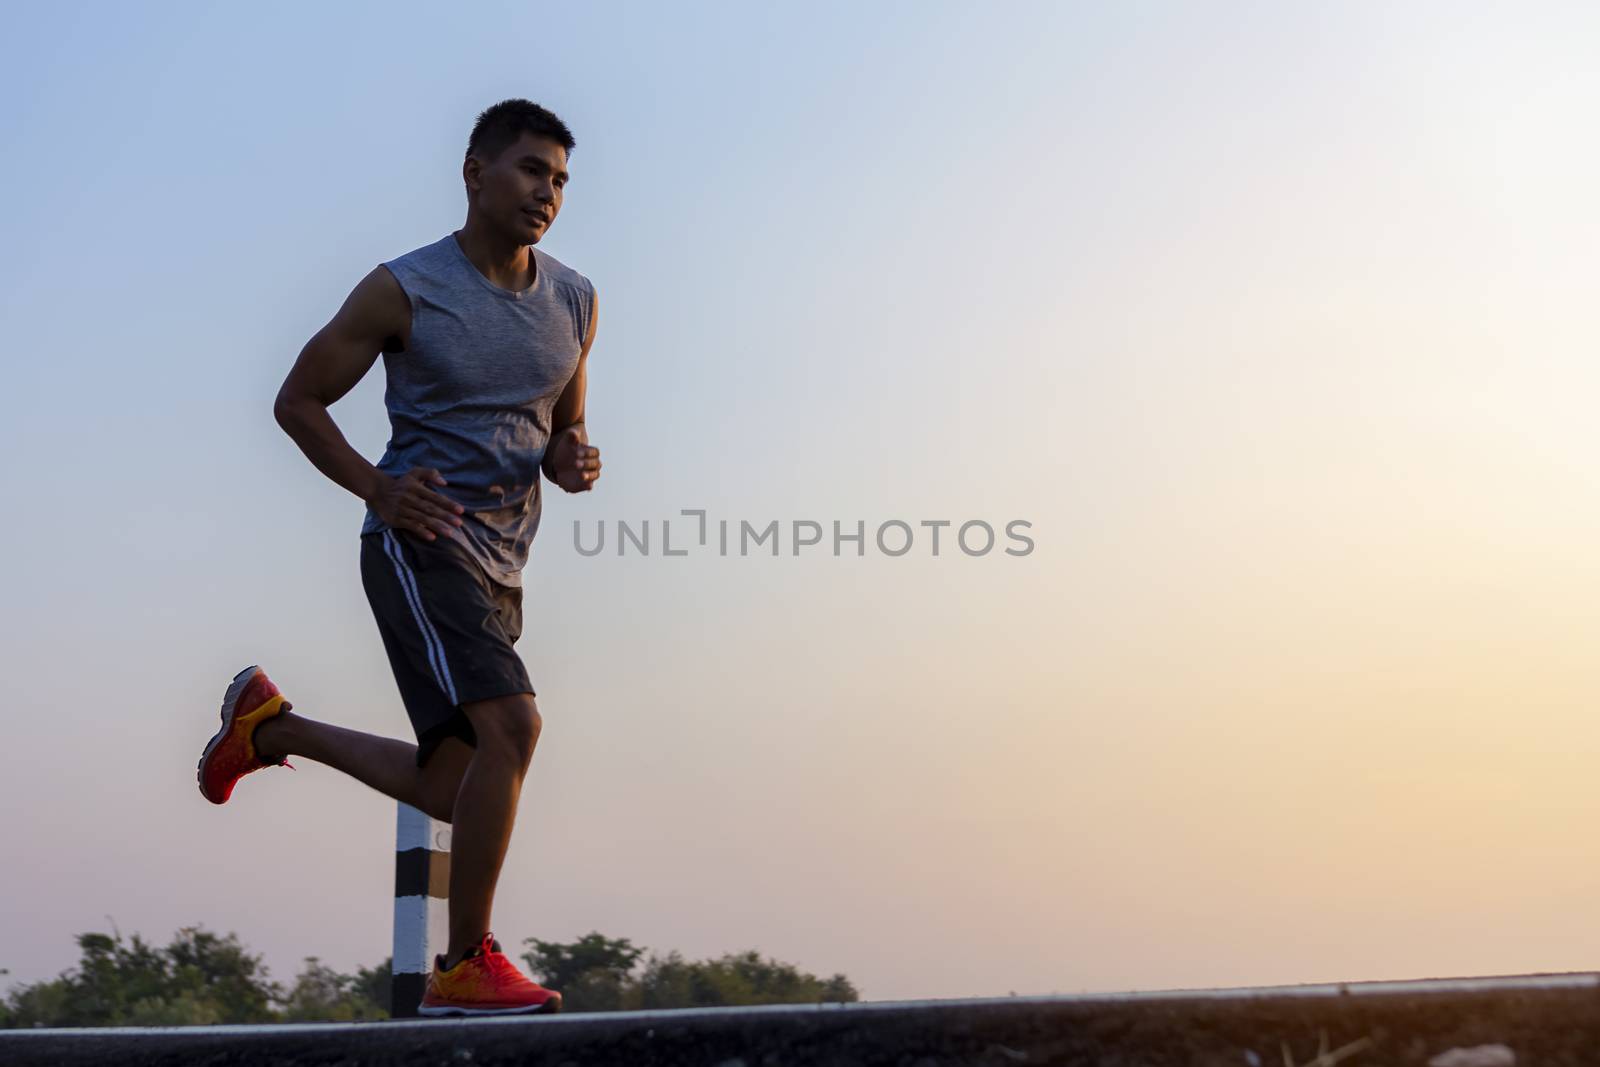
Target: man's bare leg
(485,809)
(387,765)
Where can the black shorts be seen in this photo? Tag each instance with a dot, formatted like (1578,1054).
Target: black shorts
(448,628)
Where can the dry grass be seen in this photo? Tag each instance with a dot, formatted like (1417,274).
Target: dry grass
(1324,1057)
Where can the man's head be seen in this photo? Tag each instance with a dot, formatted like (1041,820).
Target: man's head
(516,168)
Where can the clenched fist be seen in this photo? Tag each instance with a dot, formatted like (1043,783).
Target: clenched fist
(571,462)
(409,503)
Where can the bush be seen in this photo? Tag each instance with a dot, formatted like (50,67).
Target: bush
(198,979)
(595,973)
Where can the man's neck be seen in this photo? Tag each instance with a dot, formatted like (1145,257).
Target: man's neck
(507,264)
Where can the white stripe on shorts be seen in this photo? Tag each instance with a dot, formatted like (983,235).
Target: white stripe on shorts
(430,637)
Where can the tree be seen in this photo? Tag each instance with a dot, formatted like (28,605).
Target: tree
(198,978)
(592,973)
(374,984)
(202,978)
(219,970)
(735,978)
(596,973)
(322,994)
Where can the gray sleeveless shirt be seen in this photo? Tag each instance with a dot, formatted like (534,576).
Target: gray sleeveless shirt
(473,393)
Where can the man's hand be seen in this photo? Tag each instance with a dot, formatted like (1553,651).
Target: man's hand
(408,503)
(571,462)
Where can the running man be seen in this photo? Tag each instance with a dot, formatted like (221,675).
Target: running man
(485,341)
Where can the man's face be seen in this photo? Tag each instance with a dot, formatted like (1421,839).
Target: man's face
(520,192)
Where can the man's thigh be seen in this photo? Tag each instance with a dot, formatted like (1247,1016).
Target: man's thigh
(448,630)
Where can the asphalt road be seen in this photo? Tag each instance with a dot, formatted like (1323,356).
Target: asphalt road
(1549,1020)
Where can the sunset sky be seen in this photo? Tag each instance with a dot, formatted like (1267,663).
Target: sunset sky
(1267,319)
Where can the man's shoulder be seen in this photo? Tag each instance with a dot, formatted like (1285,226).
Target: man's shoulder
(421,256)
(559,272)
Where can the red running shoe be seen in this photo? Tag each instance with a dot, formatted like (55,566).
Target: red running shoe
(251,700)
(485,983)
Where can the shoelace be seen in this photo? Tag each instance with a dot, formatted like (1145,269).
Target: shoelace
(499,965)
(502,968)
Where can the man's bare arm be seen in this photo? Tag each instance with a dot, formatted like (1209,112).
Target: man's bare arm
(330,365)
(570,461)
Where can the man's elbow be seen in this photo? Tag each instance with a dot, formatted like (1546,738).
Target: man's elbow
(282,411)
(289,410)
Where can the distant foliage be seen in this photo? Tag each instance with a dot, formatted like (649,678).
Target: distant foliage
(596,973)
(201,978)
(591,973)
(322,994)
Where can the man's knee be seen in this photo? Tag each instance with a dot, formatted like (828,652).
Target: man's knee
(509,724)
(441,778)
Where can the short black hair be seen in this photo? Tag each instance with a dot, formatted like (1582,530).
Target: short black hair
(499,127)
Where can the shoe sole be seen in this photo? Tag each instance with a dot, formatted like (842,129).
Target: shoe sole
(230,703)
(549,1007)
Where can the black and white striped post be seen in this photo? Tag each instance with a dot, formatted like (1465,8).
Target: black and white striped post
(421,886)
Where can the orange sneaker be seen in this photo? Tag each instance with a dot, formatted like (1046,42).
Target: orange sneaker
(485,983)
(251,700)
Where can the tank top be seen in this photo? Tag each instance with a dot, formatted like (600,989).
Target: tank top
(472,394)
